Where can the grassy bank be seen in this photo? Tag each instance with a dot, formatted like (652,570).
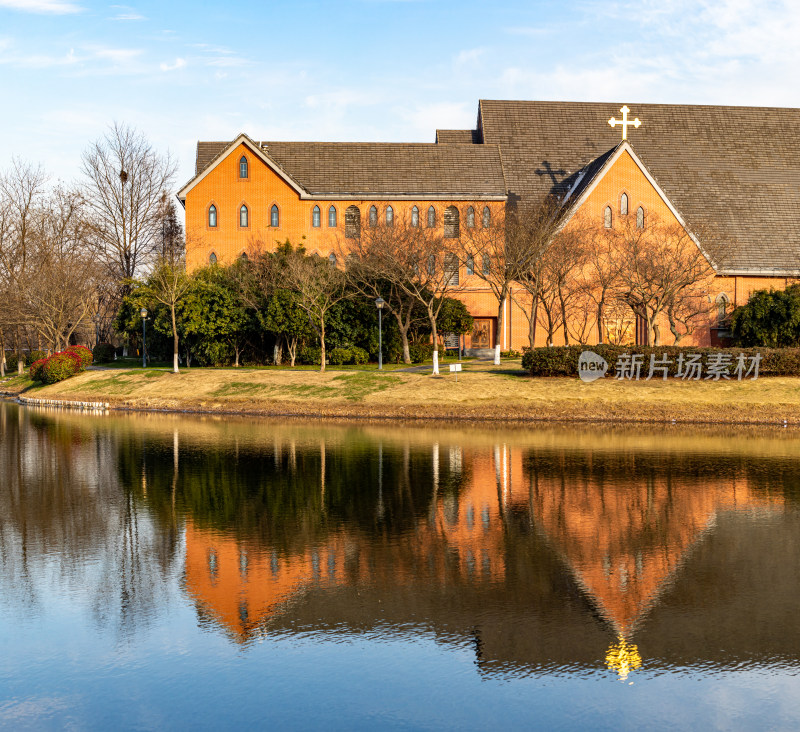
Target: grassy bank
(483,392)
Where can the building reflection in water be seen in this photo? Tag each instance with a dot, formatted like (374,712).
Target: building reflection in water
(546,551)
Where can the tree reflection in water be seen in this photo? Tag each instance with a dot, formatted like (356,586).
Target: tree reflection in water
(544,550)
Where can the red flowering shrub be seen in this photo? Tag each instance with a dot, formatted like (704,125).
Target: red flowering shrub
(83,353)
(60,366)
(36,369)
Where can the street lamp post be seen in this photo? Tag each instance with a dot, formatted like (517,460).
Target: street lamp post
(379,303)
(143,313)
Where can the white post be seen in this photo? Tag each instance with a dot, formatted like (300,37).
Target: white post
(497,355)
(436,362)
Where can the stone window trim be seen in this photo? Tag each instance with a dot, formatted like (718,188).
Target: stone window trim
(209,225)
(243,208)
(244,168)
(624,203)
(274,215)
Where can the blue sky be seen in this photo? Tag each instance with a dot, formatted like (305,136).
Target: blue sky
(364,69)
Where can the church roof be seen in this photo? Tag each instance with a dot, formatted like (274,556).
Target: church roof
(731,170)
(368,169)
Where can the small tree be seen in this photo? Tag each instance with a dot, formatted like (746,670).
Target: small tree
(454,318)
(319,286)
(169,284)
(286,318)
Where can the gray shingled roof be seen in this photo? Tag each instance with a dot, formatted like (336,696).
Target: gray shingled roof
(732,169)
(382,169)
(455,137)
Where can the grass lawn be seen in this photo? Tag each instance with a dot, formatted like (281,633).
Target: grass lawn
(482,391)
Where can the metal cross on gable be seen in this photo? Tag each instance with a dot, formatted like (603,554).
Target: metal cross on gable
(624,122)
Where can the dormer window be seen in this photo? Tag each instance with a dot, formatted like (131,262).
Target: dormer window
(243,167)
(607,217)
(623,204)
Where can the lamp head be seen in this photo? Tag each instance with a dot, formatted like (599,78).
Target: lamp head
(143,313)
(379,303)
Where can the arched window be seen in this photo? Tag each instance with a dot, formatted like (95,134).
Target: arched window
(487,217)
(243,256)
(470,264)
(212,258)
(432,264)
(722,308)
(243,167)
(212,216)
(415,217)
(332,217)
(623,204)
(640,218)
(451,223)
(352,222)
(332,259)
(431,217)
(470,218)
(243,218)
(389,215)
(274,216)
(607,217)
(373,216)
(315,222)
(487,265)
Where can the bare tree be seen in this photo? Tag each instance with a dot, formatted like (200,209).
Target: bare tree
(169,284)
(413,259)
(125,182)
(22,189)
(319,285)
(503,251)
(662,268)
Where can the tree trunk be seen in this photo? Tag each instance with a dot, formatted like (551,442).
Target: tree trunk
(322,344)
(174,341)
(500,329)
(563,316)
(236,352)
(20,361)
(277,352)
(435,335)
(291,346)
(2,355)
(600,310)
(404,328)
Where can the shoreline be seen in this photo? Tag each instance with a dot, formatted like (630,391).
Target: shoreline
(486,394)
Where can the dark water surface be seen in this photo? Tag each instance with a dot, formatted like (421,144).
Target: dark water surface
(201,573)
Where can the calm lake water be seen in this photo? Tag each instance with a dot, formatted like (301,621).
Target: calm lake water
(160,571)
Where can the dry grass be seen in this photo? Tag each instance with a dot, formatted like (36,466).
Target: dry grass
(482,392)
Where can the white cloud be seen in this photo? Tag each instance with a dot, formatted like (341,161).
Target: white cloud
(127,13)
(42,7)
(179,64)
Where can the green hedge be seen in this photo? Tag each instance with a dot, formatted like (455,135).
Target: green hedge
(103,353)
(563,360)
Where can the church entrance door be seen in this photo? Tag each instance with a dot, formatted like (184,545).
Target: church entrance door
(483,332)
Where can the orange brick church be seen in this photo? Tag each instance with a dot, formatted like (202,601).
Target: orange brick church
(735,170)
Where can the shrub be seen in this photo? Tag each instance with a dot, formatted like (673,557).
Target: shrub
(103,353)
(339,356)
(510,354)
(420,352)
(358,355)
(309,355)
(769,318)
(60,366)
(563,360)
(35,370)
(84,355)
(33,356)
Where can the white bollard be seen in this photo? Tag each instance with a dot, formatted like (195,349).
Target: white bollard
(497,355)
